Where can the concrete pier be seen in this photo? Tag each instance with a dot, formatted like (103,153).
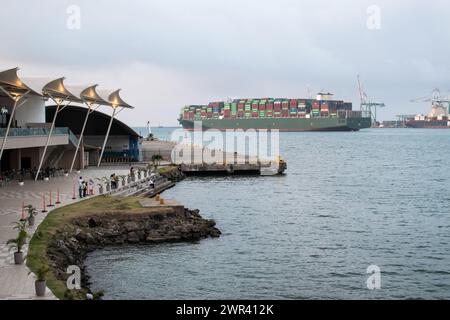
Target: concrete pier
(198,160)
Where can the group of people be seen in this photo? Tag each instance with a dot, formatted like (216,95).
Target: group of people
(83,188)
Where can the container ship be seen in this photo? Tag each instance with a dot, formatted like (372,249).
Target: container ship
(438,118)
(321,114)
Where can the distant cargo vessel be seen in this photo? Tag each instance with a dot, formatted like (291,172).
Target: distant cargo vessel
(429,123)
(321,114)
(438,118)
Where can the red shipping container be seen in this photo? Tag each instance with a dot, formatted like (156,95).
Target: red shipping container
(226,113)
(262,106)
(240,114)
(209,114)
(255,115)
(293,103)
(285,113)
(269,106)
(241,107)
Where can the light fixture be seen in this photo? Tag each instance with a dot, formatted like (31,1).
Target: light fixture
(16,96)
(59,101)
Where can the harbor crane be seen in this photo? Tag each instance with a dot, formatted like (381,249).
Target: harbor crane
(367,105)
(436,99)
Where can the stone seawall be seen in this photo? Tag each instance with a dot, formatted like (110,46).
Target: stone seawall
(71,243)
(173,174)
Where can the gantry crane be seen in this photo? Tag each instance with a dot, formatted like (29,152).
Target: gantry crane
(437,101)
(367,105)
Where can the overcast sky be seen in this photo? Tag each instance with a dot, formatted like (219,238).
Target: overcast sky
(165,54)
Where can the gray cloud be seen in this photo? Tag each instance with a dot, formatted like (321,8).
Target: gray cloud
(165,54)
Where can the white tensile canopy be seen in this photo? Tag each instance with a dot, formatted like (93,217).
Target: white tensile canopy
(17,90)
(117,100)
(55,89)
(13,86)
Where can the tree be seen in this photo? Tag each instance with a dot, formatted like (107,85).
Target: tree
(156,159)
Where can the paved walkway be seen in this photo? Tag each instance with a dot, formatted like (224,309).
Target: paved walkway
(15,281)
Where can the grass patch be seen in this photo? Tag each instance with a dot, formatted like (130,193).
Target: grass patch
(37,251)
(167,169)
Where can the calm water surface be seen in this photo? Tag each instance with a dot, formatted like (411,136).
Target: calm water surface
(348,200)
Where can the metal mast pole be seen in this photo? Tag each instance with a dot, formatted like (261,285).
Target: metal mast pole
(41,162)
(16,101)
(106,137)
(90,110)
(16,104)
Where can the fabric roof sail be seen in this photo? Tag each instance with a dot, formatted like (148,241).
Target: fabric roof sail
(115,99)
(10,82)
(90,94)
(77,89)
(57,90)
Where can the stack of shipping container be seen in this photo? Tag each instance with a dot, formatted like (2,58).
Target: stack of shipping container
(266,108)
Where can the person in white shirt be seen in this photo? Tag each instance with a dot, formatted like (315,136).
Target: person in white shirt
(80,186)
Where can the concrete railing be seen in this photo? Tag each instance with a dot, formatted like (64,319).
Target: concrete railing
(124,183)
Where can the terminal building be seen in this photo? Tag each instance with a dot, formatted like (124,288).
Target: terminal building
(47,123)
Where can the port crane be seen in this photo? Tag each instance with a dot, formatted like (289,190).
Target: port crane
(366,104)
(436,99)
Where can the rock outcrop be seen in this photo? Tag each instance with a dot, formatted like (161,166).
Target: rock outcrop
(174,175)
(70,245)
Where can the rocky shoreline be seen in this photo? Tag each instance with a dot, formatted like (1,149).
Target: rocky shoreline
(174,175)
(73,241)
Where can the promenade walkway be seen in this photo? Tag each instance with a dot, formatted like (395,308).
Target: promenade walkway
(15,281)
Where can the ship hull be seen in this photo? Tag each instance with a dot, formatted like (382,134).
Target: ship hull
(283,124)
(424,124)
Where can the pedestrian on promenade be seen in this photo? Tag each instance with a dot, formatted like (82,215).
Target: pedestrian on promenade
(91,187)
(133,177)
(113,181)
(80,187)
(85,188)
